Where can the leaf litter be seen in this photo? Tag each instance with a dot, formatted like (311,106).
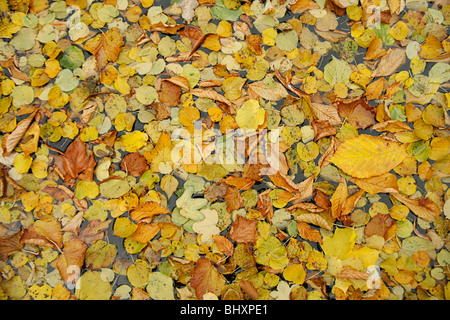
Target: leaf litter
(116,118)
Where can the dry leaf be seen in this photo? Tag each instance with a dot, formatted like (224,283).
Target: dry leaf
(71,260)
(206,278)
(390,62)
(10,141)
(147,210)
(338,199)
(422,207)
(305,231)
(356,111)
(316,219)
(10,244)
(383,183)
(44,233)
(243,230)
(94,231)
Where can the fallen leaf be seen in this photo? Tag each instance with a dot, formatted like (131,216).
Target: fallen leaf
(243,230)
(367,156)
(147,210)
(390,62)
(305,231)
(422,207)
(206,278)
(44,233)
(71,260)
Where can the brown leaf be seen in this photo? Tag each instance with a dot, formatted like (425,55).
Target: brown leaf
(71,260)
(215,190)
(105,46)
(147,210)
(254,43)
(391,126)
(74,224)
(179,81)
(326,112)
(335,36)
(243,230)
(75,161)
(349,273)
(94,231)
(422,207)
(225,246)
(259,88)
(381,225)
(10,141)
(233,199)
(241,183)
(44,233)
(10,244)
(170,93)
(390,62)
(206,278)
(305,231)
(214,95)
(264,204)
(322,128)
(351,202)
(357,112)
(249,289)
(325,158)
(396,6)
(134,163)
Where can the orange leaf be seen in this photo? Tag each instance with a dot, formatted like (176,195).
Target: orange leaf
(378,184)
(225,246)
(145,232)
(381,225)
(147,210)
(239,182)
(243,230)
(307,233)
(71,259)
(338,199)
(206,278)
(249,289)
(423,207)
(315,219)
(375,49)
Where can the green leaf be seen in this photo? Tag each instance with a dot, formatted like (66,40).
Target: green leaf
(221,12)
(337,71)
(72,58)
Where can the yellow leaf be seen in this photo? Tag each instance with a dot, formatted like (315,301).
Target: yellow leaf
(250,115)
(366,156)
(295,273)
(340,244)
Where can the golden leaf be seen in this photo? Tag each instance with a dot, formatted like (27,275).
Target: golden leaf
(147,210)
(315,219)
(377,184)
(366,156)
